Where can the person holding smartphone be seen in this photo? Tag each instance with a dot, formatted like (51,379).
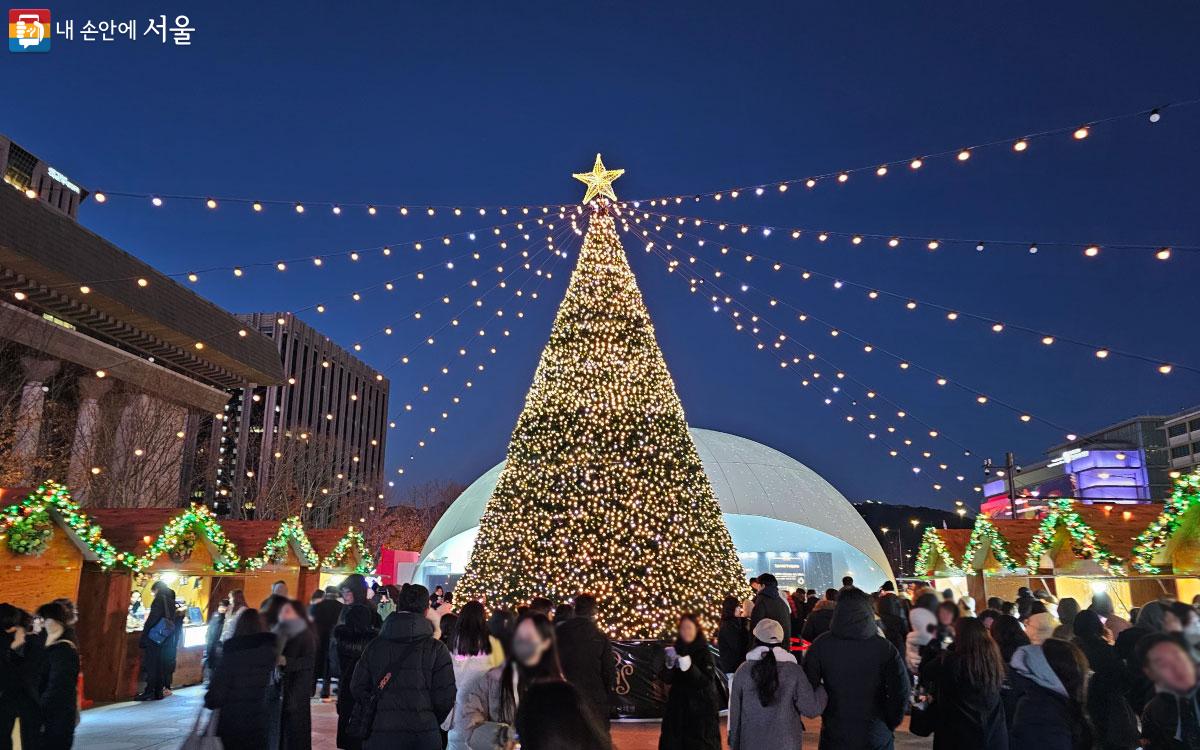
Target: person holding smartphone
(691,720)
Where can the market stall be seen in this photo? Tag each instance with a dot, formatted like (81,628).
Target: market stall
(342,552)
(272,551)
(996,557)
(45,539)
(1170,545)
(940,557)
(1087,549)
(186,549)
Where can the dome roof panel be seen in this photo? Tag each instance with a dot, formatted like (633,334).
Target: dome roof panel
(749,478)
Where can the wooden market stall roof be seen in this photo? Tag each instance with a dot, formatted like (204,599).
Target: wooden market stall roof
(942,551)
(1016,536)
(145,534)
(251,538)
(22,504)
(1118,526)
(330,542)
(1104,533)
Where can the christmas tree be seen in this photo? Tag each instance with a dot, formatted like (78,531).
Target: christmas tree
(603,491)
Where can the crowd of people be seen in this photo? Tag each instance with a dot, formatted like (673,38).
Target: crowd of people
(414,670)
(1037,672)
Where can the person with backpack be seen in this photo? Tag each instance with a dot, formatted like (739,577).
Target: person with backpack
(770,695)
(404,681)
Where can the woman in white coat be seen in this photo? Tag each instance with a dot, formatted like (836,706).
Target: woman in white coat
(473,652)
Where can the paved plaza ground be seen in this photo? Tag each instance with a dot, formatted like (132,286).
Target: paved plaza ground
(162,725)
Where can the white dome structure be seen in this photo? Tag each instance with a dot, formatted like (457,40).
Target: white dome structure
(783,517)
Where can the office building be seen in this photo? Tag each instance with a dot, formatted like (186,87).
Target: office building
(313,444)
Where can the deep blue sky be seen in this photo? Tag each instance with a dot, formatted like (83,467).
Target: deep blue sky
(491,103)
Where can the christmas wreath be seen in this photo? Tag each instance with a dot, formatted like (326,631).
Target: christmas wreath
(30,535)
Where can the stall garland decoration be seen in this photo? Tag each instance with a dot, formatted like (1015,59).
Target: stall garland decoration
(932,543)
(986,531)
(176,533)
(275,549)
(366,564)
(1185,495)
(29,521)
(1083,538)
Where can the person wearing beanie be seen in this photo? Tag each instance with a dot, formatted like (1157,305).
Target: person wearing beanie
(770,695)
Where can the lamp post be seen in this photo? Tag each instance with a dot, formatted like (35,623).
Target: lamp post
(899,546)
(915,523)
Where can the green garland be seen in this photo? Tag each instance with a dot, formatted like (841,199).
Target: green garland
(196,519)
(1157,534)
(366,563)
(1083,538)
(30,535)
(38,504)
(931,543)
(275,550)
(986,531)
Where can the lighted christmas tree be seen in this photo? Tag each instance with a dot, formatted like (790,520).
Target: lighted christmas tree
(603,490)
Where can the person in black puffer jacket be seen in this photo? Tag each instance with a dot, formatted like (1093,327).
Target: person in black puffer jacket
(864,675)
(691,718)
(238,686)
(347,643)
(769,603)
(586,655)
(58,673)
(296,645)
(421,691)
(733,637)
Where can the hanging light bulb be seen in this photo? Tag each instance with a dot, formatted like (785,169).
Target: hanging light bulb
(1021,145)
(1155,115)
(1081,133)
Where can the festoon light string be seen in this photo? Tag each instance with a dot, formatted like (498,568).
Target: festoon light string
(1046,337)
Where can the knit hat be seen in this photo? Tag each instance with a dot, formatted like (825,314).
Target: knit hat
(768,631)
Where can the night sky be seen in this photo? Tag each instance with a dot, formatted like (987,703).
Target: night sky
(497,103)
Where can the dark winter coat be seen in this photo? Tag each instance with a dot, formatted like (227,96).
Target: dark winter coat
(57,701)
(18,689)
(892,622)
(420,694)
(163,605)
(769,604)
(691,719)
(964,714)
(586,656)
(1044,718)
(1161,725)
(817,624)
(325,616)
(864,675)
(1113,720)
(212,640)
(346,645)
(299,659)
(239,689)
(733,641)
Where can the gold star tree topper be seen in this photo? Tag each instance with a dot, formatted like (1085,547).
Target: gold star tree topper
(599,181)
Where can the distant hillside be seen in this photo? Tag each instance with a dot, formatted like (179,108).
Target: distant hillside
(897,519)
